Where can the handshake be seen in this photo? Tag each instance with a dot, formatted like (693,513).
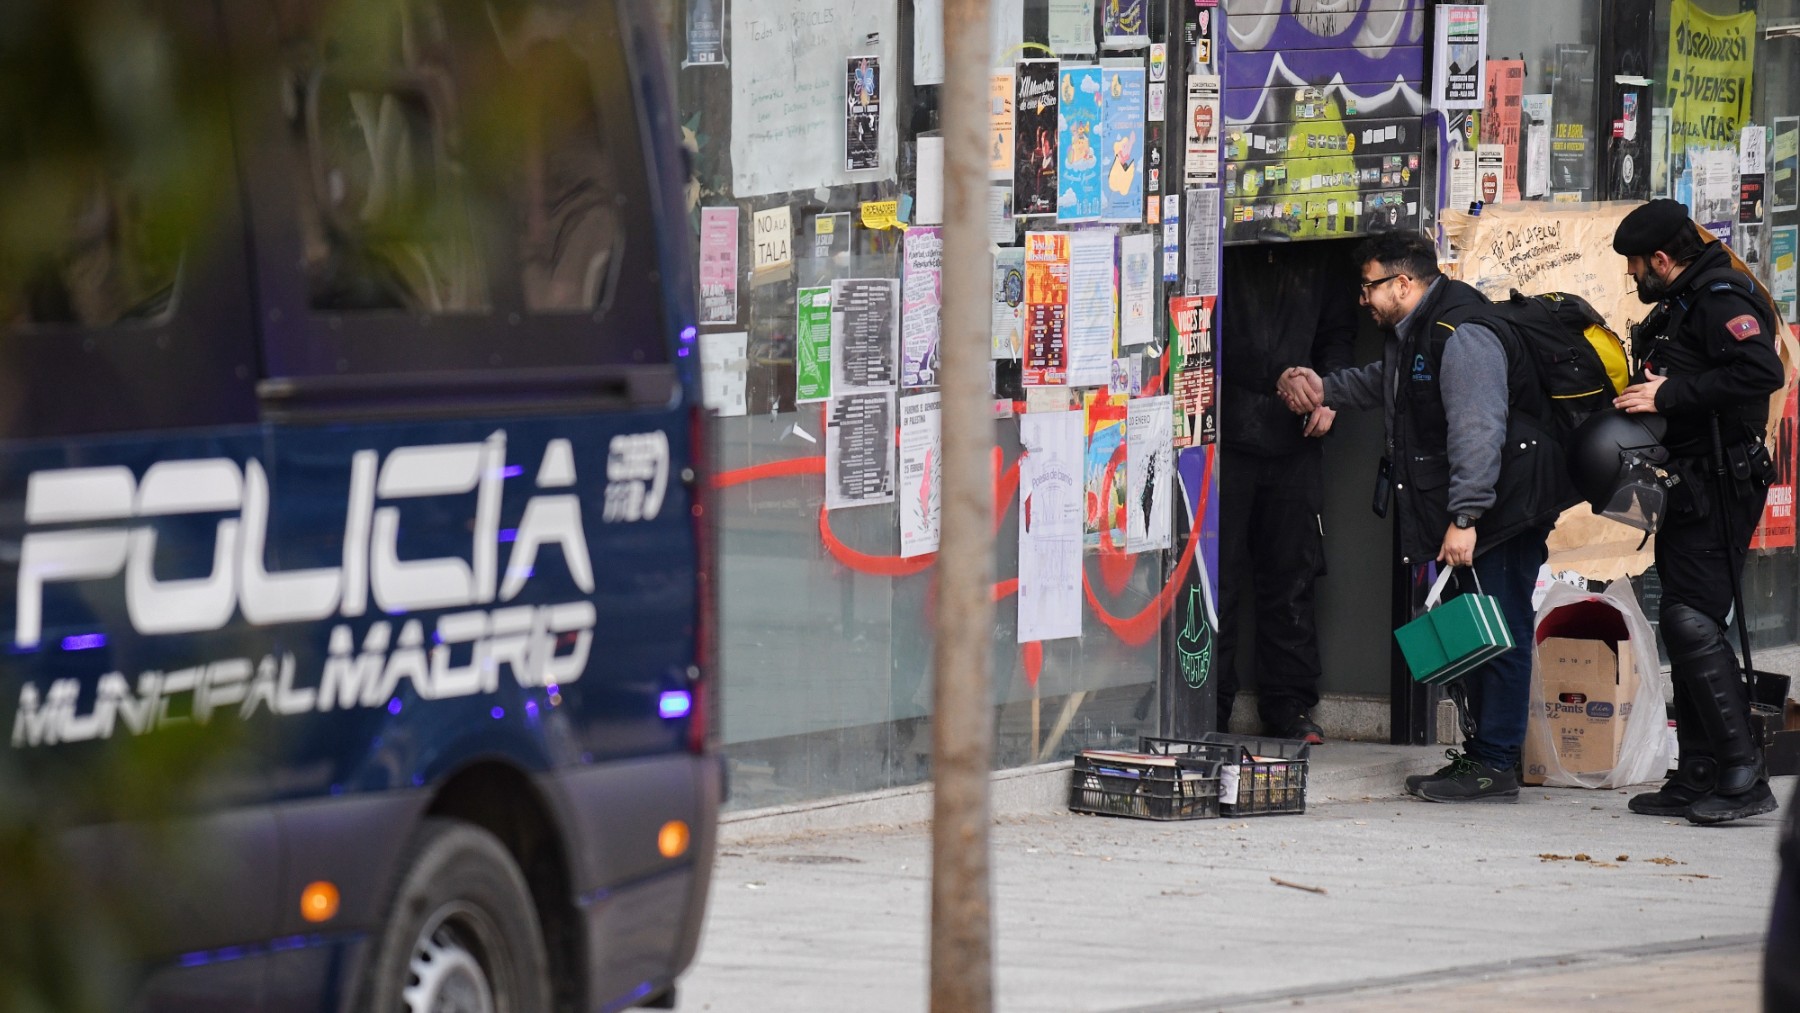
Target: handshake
(1304,394)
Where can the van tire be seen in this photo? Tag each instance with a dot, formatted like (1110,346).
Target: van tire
(461,932)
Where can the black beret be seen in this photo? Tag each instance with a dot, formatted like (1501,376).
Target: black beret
(1650,227)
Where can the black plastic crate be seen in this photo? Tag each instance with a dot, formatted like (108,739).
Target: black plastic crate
(1144,787)
(1269,774)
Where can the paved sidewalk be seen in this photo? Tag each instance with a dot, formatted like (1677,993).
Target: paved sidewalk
(1448,907)
(1721,975)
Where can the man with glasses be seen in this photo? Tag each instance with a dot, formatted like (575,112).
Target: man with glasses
(1471,462)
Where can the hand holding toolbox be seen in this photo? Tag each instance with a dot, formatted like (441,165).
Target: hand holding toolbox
(1454,637)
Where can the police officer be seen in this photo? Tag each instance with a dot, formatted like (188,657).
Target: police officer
(1708,365)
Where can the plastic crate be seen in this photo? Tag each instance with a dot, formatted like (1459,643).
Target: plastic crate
(1144,787)
(1258,776)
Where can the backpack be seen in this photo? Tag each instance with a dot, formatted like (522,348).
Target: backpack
(1579,361)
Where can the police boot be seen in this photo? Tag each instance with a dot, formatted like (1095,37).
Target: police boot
(1694,770)
(1740,786)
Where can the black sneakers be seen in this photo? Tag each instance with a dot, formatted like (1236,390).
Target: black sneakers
(1465,780)
(1301,728)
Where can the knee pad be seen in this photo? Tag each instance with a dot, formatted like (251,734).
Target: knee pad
(1690,633)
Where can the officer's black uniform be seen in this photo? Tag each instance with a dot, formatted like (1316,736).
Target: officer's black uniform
(1713,338)
(1292,305)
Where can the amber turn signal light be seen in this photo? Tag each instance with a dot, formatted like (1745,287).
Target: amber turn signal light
(319,902)
(672,839)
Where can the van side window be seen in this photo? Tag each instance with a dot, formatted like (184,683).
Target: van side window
(385,216)
(466,189)
(572,236)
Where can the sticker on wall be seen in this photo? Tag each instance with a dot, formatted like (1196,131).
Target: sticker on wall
(1008,327)
(859,450)
(921,453)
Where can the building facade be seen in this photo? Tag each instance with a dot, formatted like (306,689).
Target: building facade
(1130,141)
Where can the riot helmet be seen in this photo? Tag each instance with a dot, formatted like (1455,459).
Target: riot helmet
(1616,462)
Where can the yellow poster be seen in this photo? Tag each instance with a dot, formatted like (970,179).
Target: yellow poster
(1710,67)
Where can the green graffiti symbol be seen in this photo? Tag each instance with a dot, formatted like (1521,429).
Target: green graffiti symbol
(1193,646)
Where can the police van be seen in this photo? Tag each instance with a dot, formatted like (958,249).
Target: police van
(359,457)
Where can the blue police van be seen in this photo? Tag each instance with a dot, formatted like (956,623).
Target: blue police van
(375,466)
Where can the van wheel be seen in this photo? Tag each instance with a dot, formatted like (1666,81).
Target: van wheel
(462,935)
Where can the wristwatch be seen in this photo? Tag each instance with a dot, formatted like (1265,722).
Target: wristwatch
(1463,521)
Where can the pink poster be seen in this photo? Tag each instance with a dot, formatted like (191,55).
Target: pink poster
(1500,119)
(718,265)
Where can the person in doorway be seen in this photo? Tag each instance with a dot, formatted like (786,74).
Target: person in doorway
(1708,366)
(1473,469)
(1283,306)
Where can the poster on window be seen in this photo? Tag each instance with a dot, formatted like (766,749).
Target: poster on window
(1776,529)
(1009,304)
(1784,164)
(1125,24)
(718,265)
(1571,140)
(859,450)
(865,318)
(862,113)
(1072,27)
(789,103)
(1046,308)
(1782,278)
(1137,289)
(1201,126)
(921,311)
(1122,146)
(1034,138)
(921,452)
(1051,495)
(1501,114)
(1103,521)
(705,34)
(812,345)
(1710,70)
(1191,370)
(1149,464)
(1078,129)
(1000,130)
(1457,57)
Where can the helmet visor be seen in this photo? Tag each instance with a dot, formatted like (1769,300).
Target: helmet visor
(1639,498)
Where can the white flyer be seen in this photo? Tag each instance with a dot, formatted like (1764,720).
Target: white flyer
(724,370)
(859,450)
(1091,307)
(921,446)
(1149,461)
(1137,289)
(1052,494)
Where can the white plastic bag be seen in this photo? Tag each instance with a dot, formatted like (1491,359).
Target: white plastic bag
(1645,754)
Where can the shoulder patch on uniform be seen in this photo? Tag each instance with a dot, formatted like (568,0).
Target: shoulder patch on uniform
(1722,286)
(1744,326)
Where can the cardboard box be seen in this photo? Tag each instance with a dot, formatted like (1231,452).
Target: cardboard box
(1588,689)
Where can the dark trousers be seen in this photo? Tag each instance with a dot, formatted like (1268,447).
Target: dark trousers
(1499,692)
(1271,551)
(1698,565)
